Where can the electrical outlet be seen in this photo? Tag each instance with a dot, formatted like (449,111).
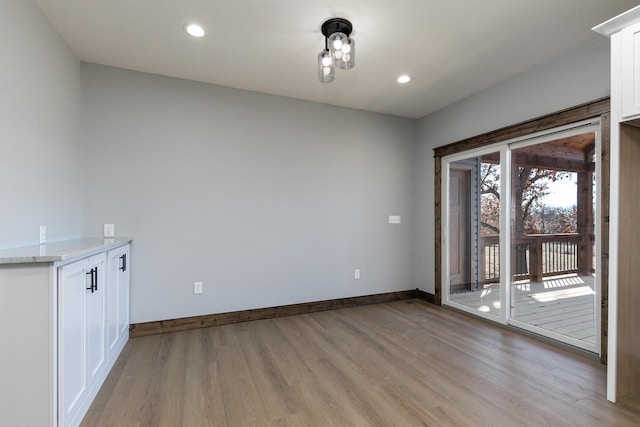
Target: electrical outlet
(197,287)
(356,273)
(109,230)
(43,234)
(394,219)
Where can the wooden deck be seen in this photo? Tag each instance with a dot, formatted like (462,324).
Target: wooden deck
(563,304)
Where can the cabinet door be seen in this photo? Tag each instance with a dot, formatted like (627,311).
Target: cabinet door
(123,292)
(631,71)
(72,293)
(81,335)
(95,319)
(117,298)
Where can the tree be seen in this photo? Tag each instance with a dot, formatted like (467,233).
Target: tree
(490,199)
(530,186)
(553,220)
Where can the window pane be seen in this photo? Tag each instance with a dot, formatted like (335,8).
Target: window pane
(474,233)
(552,240)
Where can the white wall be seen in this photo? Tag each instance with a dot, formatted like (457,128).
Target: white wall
(267,200)
(40,166)
(575,78)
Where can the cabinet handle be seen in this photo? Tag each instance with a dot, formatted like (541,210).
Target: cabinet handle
(123,267)
(95,283)
(90,288)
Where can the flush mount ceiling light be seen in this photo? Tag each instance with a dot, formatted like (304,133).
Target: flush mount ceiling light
(194,30)
(403,79)
(339,49)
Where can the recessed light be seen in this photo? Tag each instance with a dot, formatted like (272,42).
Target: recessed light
(404,79)
(194,30)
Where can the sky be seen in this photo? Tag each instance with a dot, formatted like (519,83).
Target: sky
(562,193)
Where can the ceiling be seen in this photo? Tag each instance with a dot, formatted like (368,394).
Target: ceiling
(450,48)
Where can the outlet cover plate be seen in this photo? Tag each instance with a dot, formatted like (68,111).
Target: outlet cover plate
(197,287)
(109,230)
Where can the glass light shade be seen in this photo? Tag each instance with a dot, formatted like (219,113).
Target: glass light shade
(347,58)
(336,42)
(326,69)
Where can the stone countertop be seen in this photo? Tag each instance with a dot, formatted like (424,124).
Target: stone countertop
(61,251)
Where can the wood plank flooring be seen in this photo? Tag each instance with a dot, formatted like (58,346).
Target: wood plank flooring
(564,304)
(404,363)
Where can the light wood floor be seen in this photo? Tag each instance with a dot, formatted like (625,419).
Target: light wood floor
(403,363)
(564,304)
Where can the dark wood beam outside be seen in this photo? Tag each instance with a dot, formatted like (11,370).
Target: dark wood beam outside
(552,163)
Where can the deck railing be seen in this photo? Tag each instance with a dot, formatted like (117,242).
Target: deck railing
(534,256)
(489,259)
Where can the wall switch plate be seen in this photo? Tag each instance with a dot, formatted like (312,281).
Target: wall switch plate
(197,287)
(109,230)
(43,234)
(356,273)
(394,219)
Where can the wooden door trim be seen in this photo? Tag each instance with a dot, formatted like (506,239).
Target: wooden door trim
(549,121)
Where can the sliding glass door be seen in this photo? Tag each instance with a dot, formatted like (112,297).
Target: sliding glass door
(553,262)
(519,234)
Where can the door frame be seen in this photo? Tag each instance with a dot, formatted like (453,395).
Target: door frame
(466,175)
(443,270)
(592,125)
(490,141)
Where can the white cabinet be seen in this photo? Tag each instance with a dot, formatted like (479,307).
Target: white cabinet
(65,307)
(93,304)
(117,299)
(82,353)
(630,63)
